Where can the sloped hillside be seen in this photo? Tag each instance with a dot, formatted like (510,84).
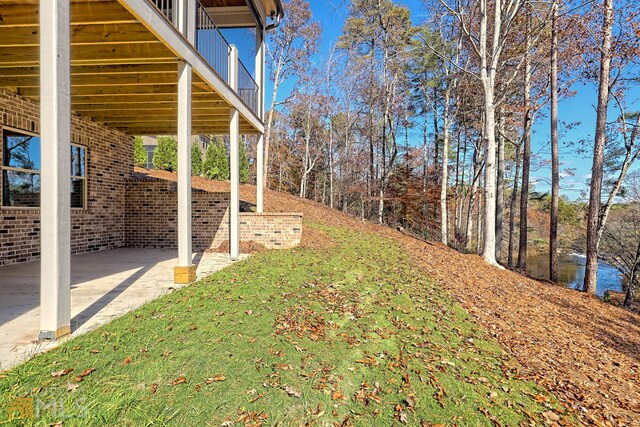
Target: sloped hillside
(585,351)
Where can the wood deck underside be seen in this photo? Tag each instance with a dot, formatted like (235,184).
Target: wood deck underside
(122,75)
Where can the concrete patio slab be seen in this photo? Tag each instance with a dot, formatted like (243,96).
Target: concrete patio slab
(104,286)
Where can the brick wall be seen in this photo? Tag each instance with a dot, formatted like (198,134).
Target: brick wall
(109,163)
(152,216)
(121,211)
(151,219)
(273,230)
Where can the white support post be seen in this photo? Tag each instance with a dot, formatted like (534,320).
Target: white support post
(260,66)
(260,174)
(259,72)
(234,162)
(186,271)
(55,178)
(186,18)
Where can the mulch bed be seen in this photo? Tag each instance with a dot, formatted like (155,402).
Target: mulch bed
(585,351)
(245,248)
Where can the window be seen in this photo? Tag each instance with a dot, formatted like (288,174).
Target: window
(150,149)
(21,171)
(78,176)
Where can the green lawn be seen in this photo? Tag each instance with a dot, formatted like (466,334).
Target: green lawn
(349,335)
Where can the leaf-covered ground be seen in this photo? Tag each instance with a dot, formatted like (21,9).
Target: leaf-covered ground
(344,331)
(583,350)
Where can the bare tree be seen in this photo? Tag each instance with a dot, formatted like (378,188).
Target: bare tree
(289,48)
(593,215)
(476,24)
(555,162)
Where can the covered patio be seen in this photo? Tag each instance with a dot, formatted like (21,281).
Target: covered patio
(104,286)
(92,74)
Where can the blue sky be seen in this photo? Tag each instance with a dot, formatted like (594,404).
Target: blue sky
(579,109)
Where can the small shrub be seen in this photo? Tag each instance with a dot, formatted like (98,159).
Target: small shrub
(216,164)
(139,153)
(165,156)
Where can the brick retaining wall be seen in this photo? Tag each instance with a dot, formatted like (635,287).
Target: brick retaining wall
(273,230)
(151,219)
(151,216)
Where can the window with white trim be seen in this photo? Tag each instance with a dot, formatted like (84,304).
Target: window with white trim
(21,171)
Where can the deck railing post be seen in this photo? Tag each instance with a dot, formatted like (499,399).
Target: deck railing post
(55,179)
(234,161)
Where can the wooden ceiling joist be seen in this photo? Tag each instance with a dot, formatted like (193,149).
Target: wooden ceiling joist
(92,108)
(123,69)
(80,35)
(122,75)
(82,13)
(100,54)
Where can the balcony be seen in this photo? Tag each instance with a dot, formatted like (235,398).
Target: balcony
(216,51)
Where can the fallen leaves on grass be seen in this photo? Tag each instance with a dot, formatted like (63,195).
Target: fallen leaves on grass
(84,374)
(215,379)
(291,391)
(368,361)
(251,418)
(126,361)
(179,380)
(492,418)
(557,333)
(61,373)
(337,395)
(72,386)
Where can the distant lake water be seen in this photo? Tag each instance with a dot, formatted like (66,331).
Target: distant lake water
(571,270)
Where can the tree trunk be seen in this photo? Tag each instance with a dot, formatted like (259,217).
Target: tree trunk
(269,125)
(487,78)
(444,182)
(330,163)
(555,163)
(512,207)
(477,170)
(456,212)
(526,155)
(479,226)
(593,215)
(500,189)
(628,298)
(489,229)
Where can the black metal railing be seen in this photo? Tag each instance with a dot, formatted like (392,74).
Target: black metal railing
(211,44)
(215,49)
(167,9)
(247,88)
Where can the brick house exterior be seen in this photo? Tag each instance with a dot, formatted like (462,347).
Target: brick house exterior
(122,209)
(100,226)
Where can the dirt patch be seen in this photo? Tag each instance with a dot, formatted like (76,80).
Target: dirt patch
(245,247)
